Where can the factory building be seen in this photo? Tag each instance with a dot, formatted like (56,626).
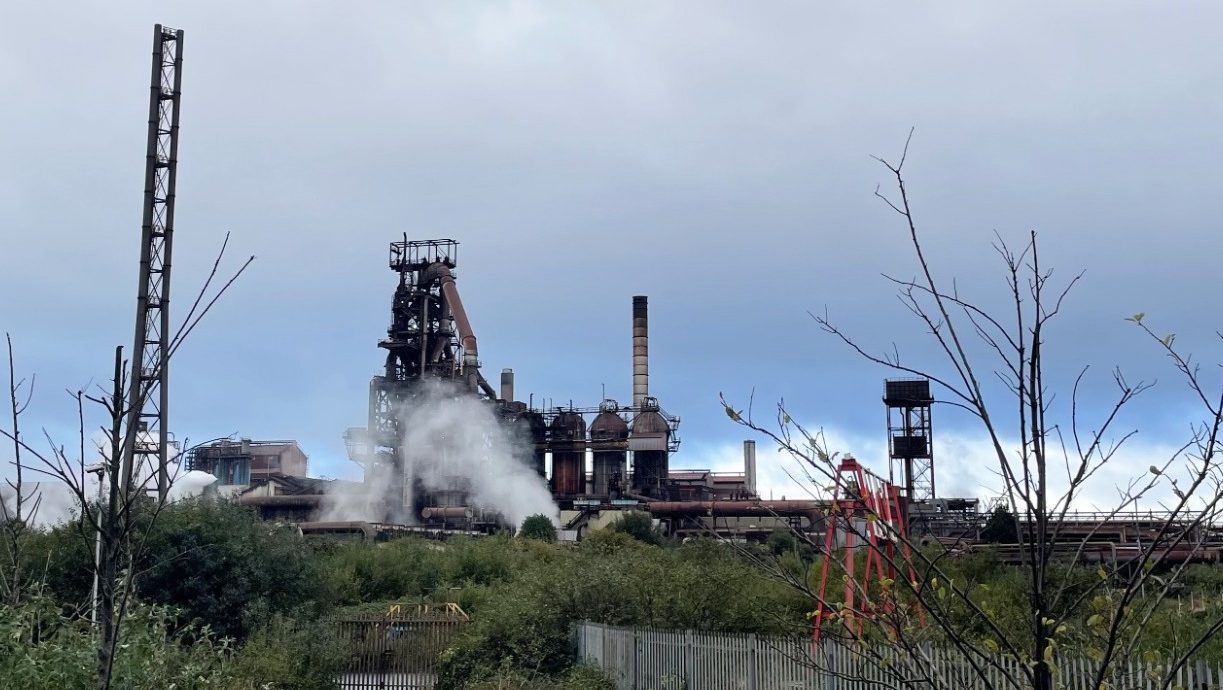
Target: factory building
(240,464)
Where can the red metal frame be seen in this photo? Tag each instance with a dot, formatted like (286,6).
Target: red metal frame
(859,495)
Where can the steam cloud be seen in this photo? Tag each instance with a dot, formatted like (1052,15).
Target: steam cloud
(452,441)
(56,504)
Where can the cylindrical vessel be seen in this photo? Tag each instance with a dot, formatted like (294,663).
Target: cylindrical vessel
(447,512)
(648,441)
(567,439)
(534,432)
(608,438)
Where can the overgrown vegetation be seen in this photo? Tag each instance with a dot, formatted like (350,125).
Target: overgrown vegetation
(226,600)
(244,603)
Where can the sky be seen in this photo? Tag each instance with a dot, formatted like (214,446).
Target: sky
(715,156)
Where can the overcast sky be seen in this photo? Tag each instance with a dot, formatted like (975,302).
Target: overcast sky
(714,156)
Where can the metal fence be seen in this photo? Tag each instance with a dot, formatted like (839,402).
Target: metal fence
(644,659)
(396,650)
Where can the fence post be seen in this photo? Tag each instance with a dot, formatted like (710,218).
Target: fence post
(636,660)
(689,651)
(751,662)
(832,655)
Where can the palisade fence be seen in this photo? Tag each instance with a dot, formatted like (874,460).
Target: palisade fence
(396,650)
(644,659)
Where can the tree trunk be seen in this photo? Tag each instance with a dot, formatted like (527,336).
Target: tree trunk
(111,528)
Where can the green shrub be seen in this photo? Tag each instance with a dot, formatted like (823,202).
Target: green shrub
(639,526)
(538,527)
(288,655)
(224,568)
(578,678)
(41,648)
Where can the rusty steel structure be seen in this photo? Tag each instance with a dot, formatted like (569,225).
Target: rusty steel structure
(430,337)
(609,460)
(146,440)
(910,436)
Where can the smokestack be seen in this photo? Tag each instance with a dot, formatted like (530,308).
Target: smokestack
(641,351)
(507,385)
(749,465)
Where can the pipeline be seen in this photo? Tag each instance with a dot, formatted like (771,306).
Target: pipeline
(467,337)
(447,512)
(299,500)
(812,510)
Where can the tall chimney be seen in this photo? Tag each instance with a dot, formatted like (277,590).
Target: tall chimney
(507,385)
(749,465)
(641,351)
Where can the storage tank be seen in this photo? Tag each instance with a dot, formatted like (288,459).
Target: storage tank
(648,441)
(568,445)
(608,438)
(534,431)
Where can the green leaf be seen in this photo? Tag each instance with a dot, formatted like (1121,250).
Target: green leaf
(1137,318)
(1167,340)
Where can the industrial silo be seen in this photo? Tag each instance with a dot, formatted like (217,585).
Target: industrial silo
(649,442)
(534,431)
(568,444)
(608,439)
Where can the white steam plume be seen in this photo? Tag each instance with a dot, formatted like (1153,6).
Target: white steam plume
(452,442)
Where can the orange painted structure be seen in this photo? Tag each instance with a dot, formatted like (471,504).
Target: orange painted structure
(867,506)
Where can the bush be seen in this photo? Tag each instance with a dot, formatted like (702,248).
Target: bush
(1000,527)
(62,557)
(538,527)
(224,568)
(578,678)
(40,648)
(288,655)
(639,526)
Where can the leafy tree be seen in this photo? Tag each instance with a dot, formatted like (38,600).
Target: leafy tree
(538,527)
(221,566)
(639,526)
(1000,528)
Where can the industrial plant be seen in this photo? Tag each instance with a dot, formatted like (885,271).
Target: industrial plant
(445,451)
(589,461)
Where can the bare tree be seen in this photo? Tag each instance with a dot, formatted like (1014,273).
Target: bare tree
(15,519)
(122,520)
(993,368)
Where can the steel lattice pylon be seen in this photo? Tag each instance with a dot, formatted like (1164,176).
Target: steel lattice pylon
(145,439)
